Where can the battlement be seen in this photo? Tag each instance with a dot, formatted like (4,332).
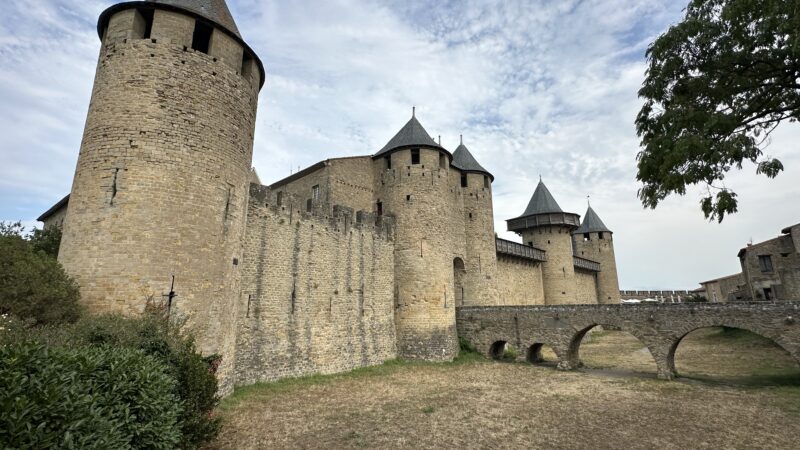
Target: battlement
(333,217)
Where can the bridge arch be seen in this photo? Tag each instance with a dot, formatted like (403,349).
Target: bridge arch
(573,360)
(767,334)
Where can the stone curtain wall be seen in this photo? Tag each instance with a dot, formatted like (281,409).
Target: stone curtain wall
(586,287)
(659,327)
(784,279)
(519,281)
(160,187)
(318,292)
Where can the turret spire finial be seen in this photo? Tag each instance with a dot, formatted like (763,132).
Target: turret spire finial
(588,201)
(440,140)
(461,137)
(540,178)
(413,111)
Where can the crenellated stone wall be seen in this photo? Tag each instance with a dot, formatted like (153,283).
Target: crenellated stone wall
(317,291)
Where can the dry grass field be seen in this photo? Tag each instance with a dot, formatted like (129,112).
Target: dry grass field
(740,391)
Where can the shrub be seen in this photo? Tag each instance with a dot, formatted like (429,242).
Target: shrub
(510,353)
(465,346)
(47,240)
(33,285)
(152,333)
(85,398)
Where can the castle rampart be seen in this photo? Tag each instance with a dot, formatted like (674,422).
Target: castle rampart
(317,291)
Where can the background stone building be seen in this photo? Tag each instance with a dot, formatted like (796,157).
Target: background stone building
(770,272)
(350,262)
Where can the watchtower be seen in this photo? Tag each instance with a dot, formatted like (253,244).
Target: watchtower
(544,225)
(593,240)
(161,184)
(479,281)
(413,173)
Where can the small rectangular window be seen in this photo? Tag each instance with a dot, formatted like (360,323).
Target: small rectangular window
(308,205)
(486,181)
(280,198)
(315,193)
(388,162)
(442,161)
(765,262)
(463,180)
(379,207)
(767,293)
(415,156)
(587,237)
(247,65)
(201,39)
(147,18)
(600,235)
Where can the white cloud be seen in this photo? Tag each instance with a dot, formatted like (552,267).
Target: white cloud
(536,87)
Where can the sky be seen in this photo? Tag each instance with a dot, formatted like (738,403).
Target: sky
(536,88)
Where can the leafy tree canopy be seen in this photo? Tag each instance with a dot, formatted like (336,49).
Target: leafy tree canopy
(718,84)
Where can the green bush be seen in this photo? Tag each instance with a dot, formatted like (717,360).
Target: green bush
(47,240)
(33,285)
(90,397)
(465,346)
(151,333)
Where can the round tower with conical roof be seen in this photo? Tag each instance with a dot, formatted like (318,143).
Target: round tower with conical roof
(546,226)
(594,240)
(161,184)
(479,286)
(413,187)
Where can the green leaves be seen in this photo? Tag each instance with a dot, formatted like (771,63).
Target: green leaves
(717,85)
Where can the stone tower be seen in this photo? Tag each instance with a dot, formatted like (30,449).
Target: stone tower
(479,282)
(593,240)
(161,185)
(544,225)
(413,187)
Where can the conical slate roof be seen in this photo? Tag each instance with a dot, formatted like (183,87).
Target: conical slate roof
(542,202)
(214,10)
(591,223)
(413,134)
(463,160)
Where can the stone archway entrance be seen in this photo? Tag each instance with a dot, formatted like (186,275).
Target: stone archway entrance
(459,271)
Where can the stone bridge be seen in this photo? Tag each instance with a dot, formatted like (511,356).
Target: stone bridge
(660,327)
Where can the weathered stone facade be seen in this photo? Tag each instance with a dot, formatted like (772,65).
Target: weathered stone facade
(723,289)
(317,292)
(659,327)
(350,262)
(771,269)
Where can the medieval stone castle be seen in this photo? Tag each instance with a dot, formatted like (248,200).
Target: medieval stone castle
(350,262)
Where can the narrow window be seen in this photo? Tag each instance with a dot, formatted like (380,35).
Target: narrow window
(765,262)
(315,193)
(587,237)
(767,293)
(308,205)
(470,216)
(380,208)
(530,244)
(408,198)
(280,198)
(463,180)
(147,22)
(415,156)
(600,235)
(388,162)
(201,39)
(442,162)
(247,65)
(486,181)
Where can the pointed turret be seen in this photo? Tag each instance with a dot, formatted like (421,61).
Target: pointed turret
(543,210)
(592,223)
(465,162)
(412,134)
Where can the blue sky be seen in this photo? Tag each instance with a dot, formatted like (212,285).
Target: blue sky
(536,87)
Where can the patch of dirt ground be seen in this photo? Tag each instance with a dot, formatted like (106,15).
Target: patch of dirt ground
(742,392)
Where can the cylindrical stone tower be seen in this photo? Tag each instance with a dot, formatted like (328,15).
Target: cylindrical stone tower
(413,187)
(544,225)
(593,240)
(161,184)
(479,285)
